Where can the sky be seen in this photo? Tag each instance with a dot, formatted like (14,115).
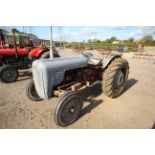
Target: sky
(81,33)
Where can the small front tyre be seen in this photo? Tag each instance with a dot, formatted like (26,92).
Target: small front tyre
(68,109)
(31,92)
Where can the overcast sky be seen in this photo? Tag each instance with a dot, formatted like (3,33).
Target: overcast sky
(80,33)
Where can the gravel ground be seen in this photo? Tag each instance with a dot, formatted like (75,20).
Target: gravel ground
(135,108)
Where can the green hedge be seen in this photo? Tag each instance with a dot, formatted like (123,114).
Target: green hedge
(106,46)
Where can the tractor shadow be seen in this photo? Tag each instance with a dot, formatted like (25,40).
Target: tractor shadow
(88,95)
(130,83)
(25,75)
(153,126)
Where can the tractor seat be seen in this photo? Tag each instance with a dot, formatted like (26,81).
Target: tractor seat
(95,61)
(91,60)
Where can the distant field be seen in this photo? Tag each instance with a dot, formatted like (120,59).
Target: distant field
(150,48)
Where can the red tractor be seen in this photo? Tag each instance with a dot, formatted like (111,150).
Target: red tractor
(16,56)
(11,60)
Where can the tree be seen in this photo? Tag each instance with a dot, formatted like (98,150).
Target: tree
(89,41)
(96,41)
(131,39)
(113,38)
(15,30)
(146,39)
(108,41)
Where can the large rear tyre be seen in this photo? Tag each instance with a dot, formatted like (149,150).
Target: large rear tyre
(114,77)
(8,74)
(31,92)
(68,109)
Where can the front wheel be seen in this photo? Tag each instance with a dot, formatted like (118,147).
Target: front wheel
(31,92)
(8,74)
(68,109)
(114,77)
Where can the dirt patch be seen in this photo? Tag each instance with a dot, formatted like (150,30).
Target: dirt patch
(135,108)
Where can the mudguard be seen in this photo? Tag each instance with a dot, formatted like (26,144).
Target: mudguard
(107,60)
(37,52)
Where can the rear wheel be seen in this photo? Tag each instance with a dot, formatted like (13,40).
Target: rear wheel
(68,109)
(31,92)
(8,74)
(115,76)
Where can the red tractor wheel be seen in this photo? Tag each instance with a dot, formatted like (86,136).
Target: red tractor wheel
(8,74)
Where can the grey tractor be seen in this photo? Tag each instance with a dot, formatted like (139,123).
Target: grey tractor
(66,77)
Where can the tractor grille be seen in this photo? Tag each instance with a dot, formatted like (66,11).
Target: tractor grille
(38,81)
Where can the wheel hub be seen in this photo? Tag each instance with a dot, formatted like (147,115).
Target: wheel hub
(72,110)
(120,78)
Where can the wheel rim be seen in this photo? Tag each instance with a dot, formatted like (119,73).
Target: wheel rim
(119,82)
(71,111)
(9,75)
(119,78)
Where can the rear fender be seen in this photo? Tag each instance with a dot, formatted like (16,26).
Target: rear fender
(107,61)
(37,52)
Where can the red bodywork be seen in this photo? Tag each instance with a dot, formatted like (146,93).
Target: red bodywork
(12,52)
(37,52)
(34,53)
